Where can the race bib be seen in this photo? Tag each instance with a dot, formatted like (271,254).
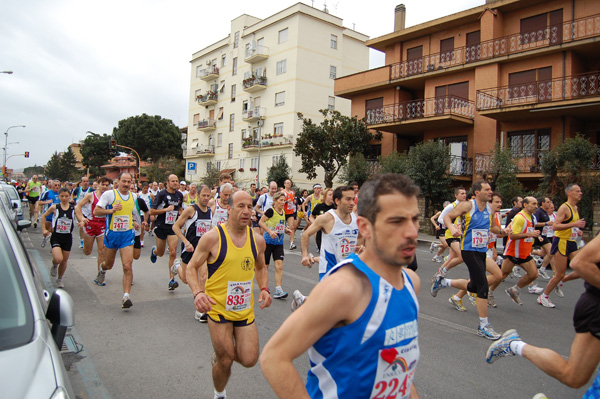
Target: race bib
(63,225)
(395,371)
(171,217)
(546,230)
(493,237)
(574,233)
(202,226)
(479,238)
(346,246)
(221,220)
(529,230)
(120,223)
(239,295)
(280,228)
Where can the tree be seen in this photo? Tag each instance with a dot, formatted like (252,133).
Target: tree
(162,168)
(329,144)
(211,178)
(150,136)
(52,169)
(95,152)
(501,173)
(394,163)
(358,170)
(33,170)
(67,163)
(279,172)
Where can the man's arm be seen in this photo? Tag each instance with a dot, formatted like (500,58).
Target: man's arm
(562,214)
(319,224)
(458,211)
(201,255)
(518,223)
(586,262)
(178,225)
(261,274)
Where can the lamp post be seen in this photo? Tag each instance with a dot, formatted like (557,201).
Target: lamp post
(7,72)
(6,139)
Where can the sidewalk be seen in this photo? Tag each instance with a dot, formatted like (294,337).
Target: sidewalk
(426,238)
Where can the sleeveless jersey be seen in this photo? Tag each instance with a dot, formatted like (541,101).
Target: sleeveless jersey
(276,223)
(476,228)
(190,201)
(147,198)
(80,194)
(339,243)
(63,221)
(121,220)
(375,356)
(220,216)
(493,237)
(521,248)
(162,200)
(314,201)
(290,203)
(456,222)
(196,226)
(570,234)
(231,276)
(97,219)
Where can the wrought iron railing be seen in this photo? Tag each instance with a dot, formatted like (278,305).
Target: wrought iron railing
(207,123)
(422,108)
(212,96)
(460,166)
(526,161)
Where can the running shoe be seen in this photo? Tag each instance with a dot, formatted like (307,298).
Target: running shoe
(293,246)
(516,273)
(100,278)
(559,291)
(280,294)
(499,260)
(142,244)
(201,317)
(80,243)
(175,266)
(35,225)
(59,283)
(436,286)
(538,260)
(544,274)
(491,300)
(501,348)
(152,255)
(432,247)
(534,289)
(45,240)
(472,298)
(488,332)
(297,301)
(126,304)
(173,284)
(54,270)
(545,302)
(514,295)
(438,259)
(457,304)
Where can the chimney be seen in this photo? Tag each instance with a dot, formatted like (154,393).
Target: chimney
(399,17)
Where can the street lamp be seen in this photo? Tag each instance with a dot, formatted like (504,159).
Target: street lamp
(7,72)
(6,138)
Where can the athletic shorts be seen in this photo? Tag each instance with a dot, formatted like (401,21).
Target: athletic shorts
(453,239)
(543,240)
(238,323)
(33,200)
(95,229)
(255,223)
(291,215)
(440,233)
(64,241)
(186,257)
(163,233)
(518,261)
(276,250)
(119,239)
(586,317)
(137,242)
(563,246)
(475,262)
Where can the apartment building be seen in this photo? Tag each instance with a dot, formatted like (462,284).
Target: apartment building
(247,89)
(524,73)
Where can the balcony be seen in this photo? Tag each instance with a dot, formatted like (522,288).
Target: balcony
(267,143)
(207,99)
(207,125)
(200,151)
(255,83)
(577,95)
(210,73)
(460,166)
(528,163)
(417,115)
(256,54)
(252,115)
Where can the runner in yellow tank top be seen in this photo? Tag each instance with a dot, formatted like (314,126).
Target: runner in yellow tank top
(232,256)
(191,197)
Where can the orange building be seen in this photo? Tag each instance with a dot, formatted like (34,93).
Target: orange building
(124,163)
(524,73)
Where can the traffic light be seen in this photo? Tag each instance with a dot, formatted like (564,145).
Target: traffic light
(4,170)
(26,154)
(113,144)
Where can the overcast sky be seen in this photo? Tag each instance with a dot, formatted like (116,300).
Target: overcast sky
(81,65)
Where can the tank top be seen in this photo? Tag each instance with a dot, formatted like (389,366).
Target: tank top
(314,201)
(276,223)
(196,226)
(62,221)
(231,276)
(476,231)
(493,236)
(97,219)
(190,200)
(570,234)
(375,356)
(220,216)
(456,222)
(290,203)
(339,243)
(520,248)
(122,220)
(147,198)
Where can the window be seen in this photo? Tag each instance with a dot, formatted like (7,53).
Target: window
(473,46)
(236,39)
(253,163)
(276,159)
(220,115)
(195,143)
(223,58)
(527,147)
(219,139)
(526,84)
(233,89)
(278,129)
(196,119)
(209,166)
(244,134)
(446,50)
(198,93)
(242,162)
(198,71)
(332,72)
(283,35)
(547,26)
(245,107)
(230,151)
(414,59)
(446,97)
(333,42)
(234,66)
(222,87)
(218,165)
(331,103)
(374,108)
(281,67)
(211,140)
(280,98)
(231,122)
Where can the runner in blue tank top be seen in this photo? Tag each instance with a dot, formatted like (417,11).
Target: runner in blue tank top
(359,324)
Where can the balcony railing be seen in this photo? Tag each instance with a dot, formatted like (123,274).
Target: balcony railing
(207,124)
(207,99)
(266,142)
(200,150)
(424,108)
(209,73)
(254,114)
(255,83)
(461,166)
(559,89)
(256,54)
(526,161)
(568,31)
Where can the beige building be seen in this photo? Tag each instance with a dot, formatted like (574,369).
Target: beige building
(247,89)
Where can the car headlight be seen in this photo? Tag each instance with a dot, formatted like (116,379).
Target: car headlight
(60,393)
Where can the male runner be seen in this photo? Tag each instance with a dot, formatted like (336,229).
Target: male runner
(190,197)
(232,256)
(545,220)
(219,206)
(118,206)
(360,324)
(291,214)
(148,198)
(312,201)
(166,208)
(454,257)
(265,201)
(78,194)
(567,227)
(48,199)
(517,206)
(33,192)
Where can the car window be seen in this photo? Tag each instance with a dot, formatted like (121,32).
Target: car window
(16,314)
(12,193)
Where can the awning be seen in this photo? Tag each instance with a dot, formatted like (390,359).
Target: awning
(228,171)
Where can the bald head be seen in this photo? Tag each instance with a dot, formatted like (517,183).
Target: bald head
(238,196)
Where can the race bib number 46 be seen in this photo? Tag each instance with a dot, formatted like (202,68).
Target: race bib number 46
(395,371)
(239,295)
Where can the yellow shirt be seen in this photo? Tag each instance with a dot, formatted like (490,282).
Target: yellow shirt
(571,233)
(121,220)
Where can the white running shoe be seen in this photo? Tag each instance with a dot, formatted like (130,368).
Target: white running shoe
(534,289)
(545,302)
(501,348)
(176,264)
(559,291)
(59,283)
(54,271)
(297,300)
(544,274)
(432,247)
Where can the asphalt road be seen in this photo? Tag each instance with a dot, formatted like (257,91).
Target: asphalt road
(157,349)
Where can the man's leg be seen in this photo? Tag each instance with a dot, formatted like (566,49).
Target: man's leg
(221,335)
(560,268)
(127,260)
(172,241)
(101,249)
(161,245)
(530,276)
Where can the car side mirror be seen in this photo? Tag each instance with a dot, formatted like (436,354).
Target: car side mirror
(61,314)
(23,224)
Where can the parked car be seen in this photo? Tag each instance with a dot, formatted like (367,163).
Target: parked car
(33,325)
(15,199)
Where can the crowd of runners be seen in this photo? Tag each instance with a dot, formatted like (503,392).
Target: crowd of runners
(366,299)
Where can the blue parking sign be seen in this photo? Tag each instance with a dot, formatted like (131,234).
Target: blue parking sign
(191,167)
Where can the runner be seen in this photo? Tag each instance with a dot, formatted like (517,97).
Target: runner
(440,234)
(183,188)
(228,296)
(191,197)
(265,201)
(48,199)
(321,209)
(193,223)
(567,227)
(147,196)
(273,224)
(94,226)
(166,208)
(311,201)
(545,220)
(119,208)
(78,194)
(585,349)
(141,215)
(63,217)
(517,206)
(33,192)
(219,206)
(361,318)
(291,214)
(455,256)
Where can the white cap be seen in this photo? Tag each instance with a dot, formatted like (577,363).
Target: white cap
(183,182)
